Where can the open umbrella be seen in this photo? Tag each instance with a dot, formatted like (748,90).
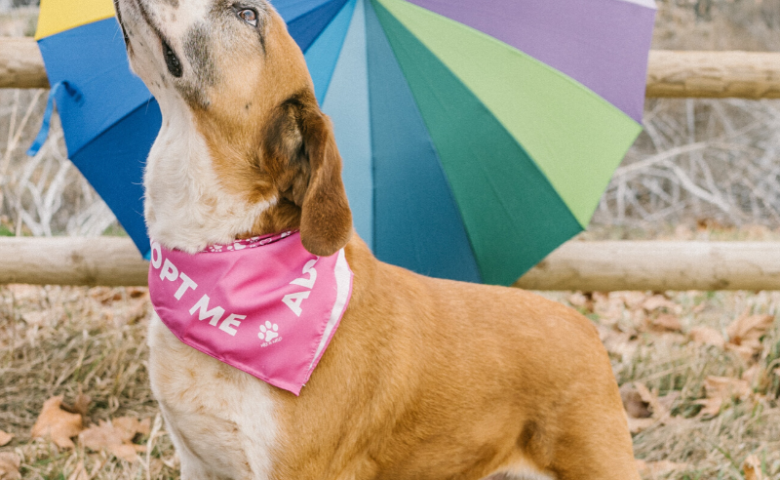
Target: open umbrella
(476,136)
(109,118)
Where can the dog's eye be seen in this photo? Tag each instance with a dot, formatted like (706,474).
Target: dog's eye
(248,15)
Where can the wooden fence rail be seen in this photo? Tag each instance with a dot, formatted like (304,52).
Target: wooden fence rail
(588,266)
(752,75)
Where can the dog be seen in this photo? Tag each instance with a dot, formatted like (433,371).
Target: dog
(425,378)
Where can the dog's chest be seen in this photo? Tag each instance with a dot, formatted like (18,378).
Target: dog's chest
(221,420)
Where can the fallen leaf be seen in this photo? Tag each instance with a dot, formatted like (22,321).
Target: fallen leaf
(707,336)
(608,306)
(720,390)
(57,424)
(659,411)
(116,437)
(658,302)
(752,468)
(9,466)
(658,468)
(105,295)
(633,300)
(665,323)
(581,300)
(643,408)
(5,438)
(745,334)
(633,403)
(137,292)
(80,406)
(615,342)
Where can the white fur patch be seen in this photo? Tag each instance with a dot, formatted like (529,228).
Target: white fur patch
(186,208)
(221,420)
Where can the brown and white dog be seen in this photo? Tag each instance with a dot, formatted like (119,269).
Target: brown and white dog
(425,378)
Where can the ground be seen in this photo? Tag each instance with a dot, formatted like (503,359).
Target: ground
(701,401)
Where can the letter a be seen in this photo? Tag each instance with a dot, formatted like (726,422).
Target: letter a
(293,300)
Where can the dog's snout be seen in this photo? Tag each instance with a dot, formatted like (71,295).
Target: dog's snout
(171,60)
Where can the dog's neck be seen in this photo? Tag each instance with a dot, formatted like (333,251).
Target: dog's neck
(185,207)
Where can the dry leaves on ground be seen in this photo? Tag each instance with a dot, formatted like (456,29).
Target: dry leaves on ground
(664,323)
(116,437)
(720,390)
(57,424)
(643,407)
(9,466)
(707,336)
(752,468)
(745,334)
(5,438)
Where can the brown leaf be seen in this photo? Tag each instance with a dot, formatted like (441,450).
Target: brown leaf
(615,342)
(633,403)
(5,438)
(659,302)
(707,336)
(720,390)
(9,466)
(80,406)
(57,424)
(665,323)
(137,292)
(659,411)
(581,300)
(745,334)
(752,468)
(116,437)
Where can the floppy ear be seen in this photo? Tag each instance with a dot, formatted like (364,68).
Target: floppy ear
(326,220)
(305,137)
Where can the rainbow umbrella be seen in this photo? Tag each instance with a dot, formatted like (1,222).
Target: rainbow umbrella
(476,136)
(109,118)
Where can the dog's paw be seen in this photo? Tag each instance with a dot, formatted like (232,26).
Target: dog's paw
(268,332)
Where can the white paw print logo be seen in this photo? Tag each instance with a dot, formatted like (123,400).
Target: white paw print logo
(268,332)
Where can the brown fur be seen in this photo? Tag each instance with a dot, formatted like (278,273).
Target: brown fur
(425,378)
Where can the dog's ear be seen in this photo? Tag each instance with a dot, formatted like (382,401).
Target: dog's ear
(303,137)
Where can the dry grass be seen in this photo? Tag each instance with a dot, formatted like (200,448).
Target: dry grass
(67,341)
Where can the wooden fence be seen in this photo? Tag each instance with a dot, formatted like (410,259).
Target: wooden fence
(589,266)
(671,74)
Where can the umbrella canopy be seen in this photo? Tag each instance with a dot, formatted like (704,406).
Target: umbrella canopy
(476,136)
(109,118)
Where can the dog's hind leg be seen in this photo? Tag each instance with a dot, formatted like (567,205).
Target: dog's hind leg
(597,448)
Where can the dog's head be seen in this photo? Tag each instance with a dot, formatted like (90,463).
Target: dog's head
(244,83)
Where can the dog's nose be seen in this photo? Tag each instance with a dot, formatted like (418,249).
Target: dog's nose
(171,60)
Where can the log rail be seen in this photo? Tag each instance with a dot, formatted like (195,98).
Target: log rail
(576,265)
(751,75)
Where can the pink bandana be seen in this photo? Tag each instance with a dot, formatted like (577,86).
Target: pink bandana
(263,305)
